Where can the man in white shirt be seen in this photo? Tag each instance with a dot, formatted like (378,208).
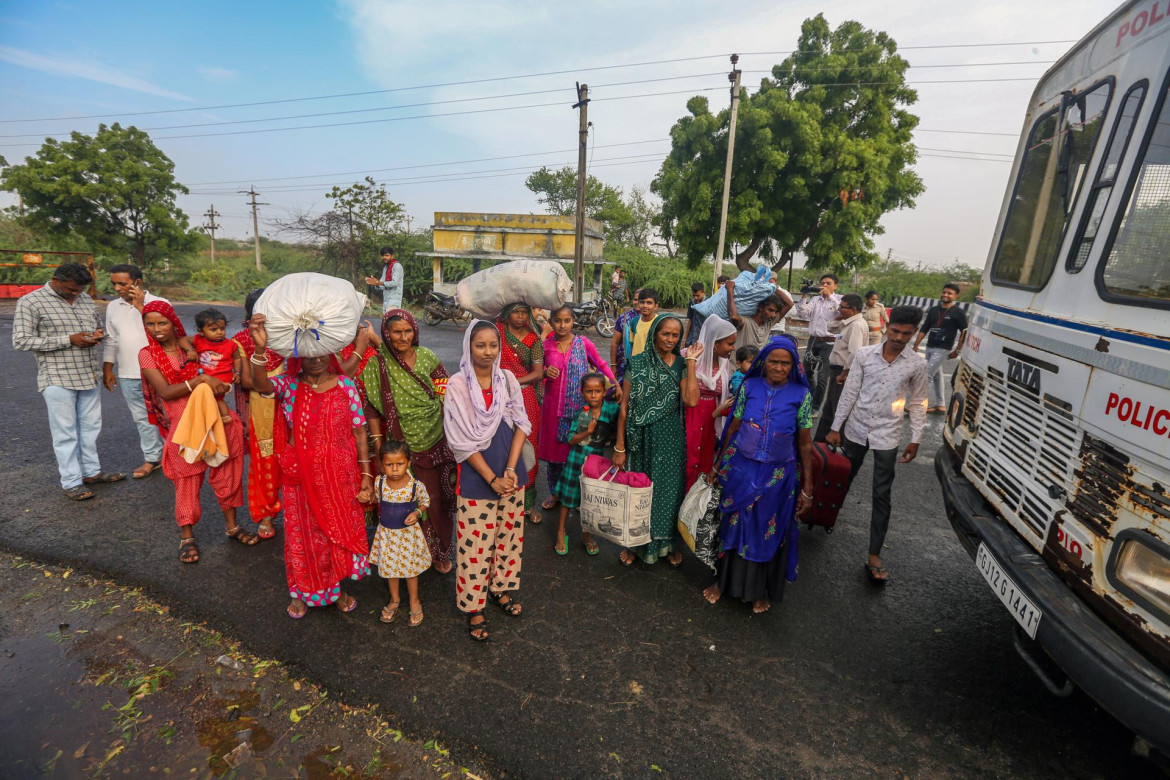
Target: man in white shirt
(390,282)
(852,334)
(125,335)
(819,311)
(884,379)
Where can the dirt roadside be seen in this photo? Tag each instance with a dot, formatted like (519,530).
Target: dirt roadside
(96,680)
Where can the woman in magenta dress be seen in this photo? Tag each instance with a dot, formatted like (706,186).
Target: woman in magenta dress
(325,471)
(713,370)
(567,358)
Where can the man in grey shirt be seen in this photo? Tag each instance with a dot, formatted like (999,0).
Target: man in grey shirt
(755,330)
(61,326)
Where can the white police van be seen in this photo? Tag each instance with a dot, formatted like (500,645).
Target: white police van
(1056,466)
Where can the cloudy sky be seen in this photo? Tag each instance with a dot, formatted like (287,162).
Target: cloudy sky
(439,99)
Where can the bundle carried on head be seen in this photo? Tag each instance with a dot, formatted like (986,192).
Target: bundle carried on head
(542,284)
(751,288)
(308,314)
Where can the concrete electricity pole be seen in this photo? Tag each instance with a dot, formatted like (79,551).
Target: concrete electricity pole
(734,78)
(211,226)
(583,145)
(251,191)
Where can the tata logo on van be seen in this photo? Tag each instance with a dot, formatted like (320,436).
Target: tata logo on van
(1024,374)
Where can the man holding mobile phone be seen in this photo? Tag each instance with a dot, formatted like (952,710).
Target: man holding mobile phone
(61,326)
(125,336)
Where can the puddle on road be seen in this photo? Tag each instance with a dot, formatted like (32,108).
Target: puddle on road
(96,681)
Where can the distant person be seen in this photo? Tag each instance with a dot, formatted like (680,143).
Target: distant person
(883,380)
(617,275)
(125,337)
(876,317)
(617,354)
(620,288)
(630,340)
(819,311)
(694,319)
(755,330)
(390,282)
(60,324)
(852,335)
(721,280)
(940,327)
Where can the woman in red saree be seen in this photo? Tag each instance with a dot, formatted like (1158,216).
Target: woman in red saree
(259,410)
(522,353)
(321,443)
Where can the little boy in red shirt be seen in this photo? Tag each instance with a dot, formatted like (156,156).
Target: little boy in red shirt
(218,355)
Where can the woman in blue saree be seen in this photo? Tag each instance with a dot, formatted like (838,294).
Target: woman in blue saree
(765,469)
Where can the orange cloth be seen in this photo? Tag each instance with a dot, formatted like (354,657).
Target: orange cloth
(200,433)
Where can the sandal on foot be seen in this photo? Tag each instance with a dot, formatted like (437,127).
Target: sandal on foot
(591,549)
(266,531)
(242,536)
(535,517)
(104,476)
(511,607)
(297,615)
(416,618)
(565,543)
(673,562)
(389,612)
(477,631)
(146,469)
(79,493)
(188,551)
(352,603)
(874,572)
(627,558)
(550,503)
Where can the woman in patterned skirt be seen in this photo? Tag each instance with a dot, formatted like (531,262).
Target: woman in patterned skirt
(320,443)
(656,391)
(486,425)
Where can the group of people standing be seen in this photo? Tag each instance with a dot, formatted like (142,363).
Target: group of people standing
(447,464)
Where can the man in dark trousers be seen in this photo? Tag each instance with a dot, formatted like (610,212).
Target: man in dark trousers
(942,323)
(883,380)
(852,334)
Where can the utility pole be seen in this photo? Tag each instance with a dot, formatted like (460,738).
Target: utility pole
(583,145)
(211,226)
(734,78)
(408,221)
(251,191)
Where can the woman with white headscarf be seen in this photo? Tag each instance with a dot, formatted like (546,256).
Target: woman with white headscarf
(713,370)
(486,426)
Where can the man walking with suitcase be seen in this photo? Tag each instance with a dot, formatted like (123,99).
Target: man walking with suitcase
(884,379)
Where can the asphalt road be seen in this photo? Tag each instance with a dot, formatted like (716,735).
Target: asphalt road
(612,672)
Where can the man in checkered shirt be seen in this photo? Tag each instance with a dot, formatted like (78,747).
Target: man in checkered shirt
(59,323)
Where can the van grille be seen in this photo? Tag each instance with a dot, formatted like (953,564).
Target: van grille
(1103,480)
(974,384)
(1022,449)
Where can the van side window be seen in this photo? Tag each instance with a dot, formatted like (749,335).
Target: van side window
(1098,197)
(1050,178)
(1137,267)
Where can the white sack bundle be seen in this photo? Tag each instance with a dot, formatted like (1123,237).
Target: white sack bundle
(309,314)
(539,283)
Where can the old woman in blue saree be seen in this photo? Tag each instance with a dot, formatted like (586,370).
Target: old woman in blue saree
(765,470)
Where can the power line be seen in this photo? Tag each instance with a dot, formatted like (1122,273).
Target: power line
(506,78)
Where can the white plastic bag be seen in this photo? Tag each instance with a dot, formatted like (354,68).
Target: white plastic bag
(542,284)
(309,315)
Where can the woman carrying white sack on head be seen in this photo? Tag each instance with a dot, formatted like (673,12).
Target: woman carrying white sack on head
(713,369)
(486,427)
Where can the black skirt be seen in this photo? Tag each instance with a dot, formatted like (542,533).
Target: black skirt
(749,580)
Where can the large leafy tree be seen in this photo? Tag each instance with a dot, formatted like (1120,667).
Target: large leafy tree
(822,151)
(115,189)
(627,221)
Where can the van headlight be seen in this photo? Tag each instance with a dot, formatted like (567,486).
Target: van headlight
(1141,568)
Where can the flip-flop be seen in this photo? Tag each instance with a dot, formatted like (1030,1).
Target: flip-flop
(549,504)
(260,529)
(389,612)
(625,562)
(79,493)
(104,476)
(151,466)
(566,546)
(295,616)
(872,571)
(420,617)
(352,604)
(596,548)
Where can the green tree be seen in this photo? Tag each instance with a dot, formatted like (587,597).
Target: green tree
(822,151)
(626,222)
(115,189)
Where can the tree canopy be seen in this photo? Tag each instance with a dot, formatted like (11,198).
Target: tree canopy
(115,189)
(627,221)
(822,151)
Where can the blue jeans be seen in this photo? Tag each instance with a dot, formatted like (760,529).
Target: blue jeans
(148,436)
(936,357)
(75,420)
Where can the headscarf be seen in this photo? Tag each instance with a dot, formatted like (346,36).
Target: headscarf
(186,371)
(715,329)
(467,421)
(502,317)
(787,343)
(385,329)
(654,386)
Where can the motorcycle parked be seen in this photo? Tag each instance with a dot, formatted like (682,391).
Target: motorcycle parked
(438,307)
(594,314)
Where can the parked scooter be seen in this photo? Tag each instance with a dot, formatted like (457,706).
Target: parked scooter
(438,307)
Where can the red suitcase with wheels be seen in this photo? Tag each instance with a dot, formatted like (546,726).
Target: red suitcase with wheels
(830,480)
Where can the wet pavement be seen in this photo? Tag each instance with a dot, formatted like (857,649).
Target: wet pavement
(611,672)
